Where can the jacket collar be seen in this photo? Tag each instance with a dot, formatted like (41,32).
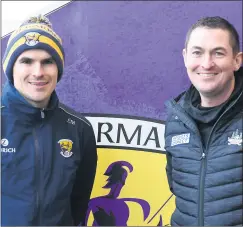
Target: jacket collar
(16,104)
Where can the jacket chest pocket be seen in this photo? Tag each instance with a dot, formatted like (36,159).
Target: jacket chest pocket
(69,160)
(8,166)
(65,167)
(69,168)
(17,174)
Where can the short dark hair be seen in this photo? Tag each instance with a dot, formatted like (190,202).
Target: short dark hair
(214,23)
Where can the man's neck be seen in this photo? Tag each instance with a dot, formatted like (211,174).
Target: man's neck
(42,104)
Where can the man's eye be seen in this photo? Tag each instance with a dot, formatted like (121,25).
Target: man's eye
(48,61)
(219,54)
(196,53)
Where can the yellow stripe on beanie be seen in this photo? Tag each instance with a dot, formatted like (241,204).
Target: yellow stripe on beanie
(18,43)
(50,42)
(42,39)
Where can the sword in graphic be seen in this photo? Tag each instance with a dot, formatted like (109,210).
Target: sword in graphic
(160,208)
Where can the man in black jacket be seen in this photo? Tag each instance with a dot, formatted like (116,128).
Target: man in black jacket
(203,134)
(48,151)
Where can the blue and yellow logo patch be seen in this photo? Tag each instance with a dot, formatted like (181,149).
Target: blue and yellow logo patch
(66,147)
(32,38)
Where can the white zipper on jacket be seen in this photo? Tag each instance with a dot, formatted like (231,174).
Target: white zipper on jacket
(37,178)
(202,180)
(42,113)
(202,168)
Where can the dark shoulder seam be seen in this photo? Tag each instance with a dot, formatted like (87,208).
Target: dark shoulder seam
(72,114)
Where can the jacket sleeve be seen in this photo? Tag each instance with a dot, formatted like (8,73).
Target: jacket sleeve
(85,178)
(168,157)
(169,170)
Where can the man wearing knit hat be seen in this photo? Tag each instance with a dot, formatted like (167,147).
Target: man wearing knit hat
(48,151)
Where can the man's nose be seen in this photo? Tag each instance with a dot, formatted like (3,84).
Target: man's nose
(38,70)
(207,62)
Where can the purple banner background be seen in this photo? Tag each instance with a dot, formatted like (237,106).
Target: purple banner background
(125,57)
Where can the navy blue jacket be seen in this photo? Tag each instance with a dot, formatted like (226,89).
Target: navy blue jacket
(48,163)
(206,180)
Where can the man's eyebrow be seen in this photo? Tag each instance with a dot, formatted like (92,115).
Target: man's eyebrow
(29,59)
(197,47)
(24,59)
(220,48)
(214,49)
(47,59)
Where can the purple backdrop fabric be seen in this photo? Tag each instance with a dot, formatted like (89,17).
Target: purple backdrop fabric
(125,57)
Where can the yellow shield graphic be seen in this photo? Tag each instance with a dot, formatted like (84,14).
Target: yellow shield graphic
(131,187)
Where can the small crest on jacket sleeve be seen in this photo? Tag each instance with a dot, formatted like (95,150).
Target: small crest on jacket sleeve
(66,147)
(235,139)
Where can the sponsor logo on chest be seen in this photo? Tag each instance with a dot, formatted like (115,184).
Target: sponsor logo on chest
(4,148)
(180,139)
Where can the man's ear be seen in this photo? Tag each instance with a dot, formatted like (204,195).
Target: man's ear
(238,61)
(184,55)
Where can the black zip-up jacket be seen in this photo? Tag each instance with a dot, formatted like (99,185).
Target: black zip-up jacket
(48,163)
(206,180)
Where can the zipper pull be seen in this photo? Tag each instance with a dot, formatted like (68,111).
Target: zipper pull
(42,113)
(203,156)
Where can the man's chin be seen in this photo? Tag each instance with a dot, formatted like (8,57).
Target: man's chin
(36,101)
(207,92)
